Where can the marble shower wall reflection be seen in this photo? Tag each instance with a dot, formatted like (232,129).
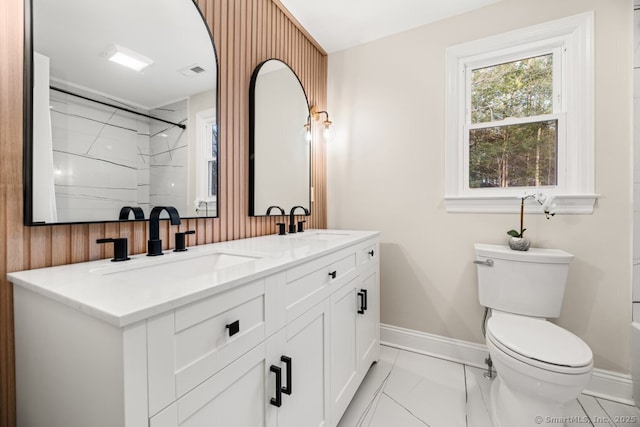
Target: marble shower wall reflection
(105,158)
(168,157)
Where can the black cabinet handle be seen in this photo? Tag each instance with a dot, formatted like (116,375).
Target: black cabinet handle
(233,328)
(333,274)
(371,252)
(277,401)
(363,301)
(287,388)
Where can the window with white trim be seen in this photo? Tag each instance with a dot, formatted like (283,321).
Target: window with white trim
(520,118)
(206,162)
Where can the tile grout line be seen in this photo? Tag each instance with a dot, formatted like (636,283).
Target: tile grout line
(419,353)
(466,396)
(374,407)
(585,412)
(370,405)
(615,401)
(487,404)
(609,418)
(406,409)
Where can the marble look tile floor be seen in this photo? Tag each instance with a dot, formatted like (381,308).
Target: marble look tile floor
(406,389)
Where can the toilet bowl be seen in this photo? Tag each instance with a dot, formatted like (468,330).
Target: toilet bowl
(540,367)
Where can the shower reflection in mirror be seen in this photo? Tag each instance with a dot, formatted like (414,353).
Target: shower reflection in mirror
(112,125)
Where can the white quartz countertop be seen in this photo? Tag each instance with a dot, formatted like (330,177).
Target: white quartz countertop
(122,293)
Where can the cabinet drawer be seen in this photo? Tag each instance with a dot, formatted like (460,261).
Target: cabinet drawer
(192,343)
(310,283)
(368,255)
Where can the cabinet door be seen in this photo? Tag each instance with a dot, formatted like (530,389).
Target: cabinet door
(237,396)
(344,358)
(368,320)
(306,342)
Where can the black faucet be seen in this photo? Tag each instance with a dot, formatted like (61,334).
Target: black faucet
(154,244)
(275,207)
(120,249)
(292,225)
(137,212)
(181,244)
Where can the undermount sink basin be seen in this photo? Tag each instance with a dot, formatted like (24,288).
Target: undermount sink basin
(321,235)
(173,265)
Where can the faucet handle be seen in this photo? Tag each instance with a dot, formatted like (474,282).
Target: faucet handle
(301,226)
(181,241)
(120,248)
(281,231)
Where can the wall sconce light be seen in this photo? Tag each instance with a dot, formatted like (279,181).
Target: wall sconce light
(326,124)
(307,129)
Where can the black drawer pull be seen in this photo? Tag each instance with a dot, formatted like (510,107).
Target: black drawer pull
(333,274)
(233,328)
(371,252)
(362,294)
(287,389)
(277,401)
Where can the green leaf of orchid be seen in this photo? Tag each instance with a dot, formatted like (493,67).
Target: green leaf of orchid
(513,233)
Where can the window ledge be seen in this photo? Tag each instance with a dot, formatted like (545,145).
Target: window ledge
(581,204)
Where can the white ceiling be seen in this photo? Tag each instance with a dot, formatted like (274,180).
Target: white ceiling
(340,24)
(75,33)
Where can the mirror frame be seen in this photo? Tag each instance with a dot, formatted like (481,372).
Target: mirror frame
(27,122)
(252,137)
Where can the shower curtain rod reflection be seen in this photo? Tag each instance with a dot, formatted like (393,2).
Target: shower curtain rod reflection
(180,125)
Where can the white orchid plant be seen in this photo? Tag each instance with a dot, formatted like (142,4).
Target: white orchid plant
(548,208)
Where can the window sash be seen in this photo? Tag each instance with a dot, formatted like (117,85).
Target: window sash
(561,156)
(507,56)
(554,47)
(205,123)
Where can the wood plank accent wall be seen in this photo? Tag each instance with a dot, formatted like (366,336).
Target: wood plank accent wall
(246,32)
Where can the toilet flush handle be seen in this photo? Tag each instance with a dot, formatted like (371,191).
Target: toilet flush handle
(488,262)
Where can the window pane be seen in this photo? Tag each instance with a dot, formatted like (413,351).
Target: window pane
(214,142)
(521,88)
(212,183)
(522,155)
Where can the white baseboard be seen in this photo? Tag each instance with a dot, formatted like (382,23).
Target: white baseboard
(608,385)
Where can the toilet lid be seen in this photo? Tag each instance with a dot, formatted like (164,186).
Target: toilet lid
(539,340)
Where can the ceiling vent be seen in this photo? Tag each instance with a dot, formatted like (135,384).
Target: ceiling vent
(192,71)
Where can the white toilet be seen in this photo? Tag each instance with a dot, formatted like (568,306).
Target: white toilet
(540,366)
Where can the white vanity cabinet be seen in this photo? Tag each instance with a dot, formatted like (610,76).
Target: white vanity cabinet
(355,331)
(368,337)
(287,348)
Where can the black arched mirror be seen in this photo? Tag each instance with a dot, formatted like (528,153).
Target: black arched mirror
(120,110)
(279,149)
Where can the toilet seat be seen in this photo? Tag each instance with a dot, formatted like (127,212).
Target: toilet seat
(539,343)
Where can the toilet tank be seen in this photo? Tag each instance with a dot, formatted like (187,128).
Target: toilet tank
(530,283)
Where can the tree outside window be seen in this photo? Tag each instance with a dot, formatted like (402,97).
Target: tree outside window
(511,142)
